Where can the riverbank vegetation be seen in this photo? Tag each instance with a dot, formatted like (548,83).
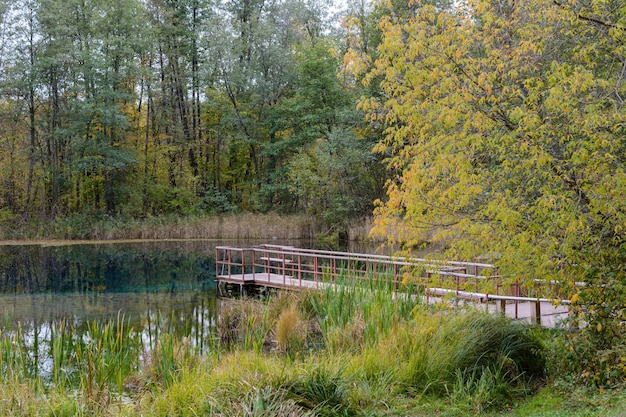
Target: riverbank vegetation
(349,351)
(236,226)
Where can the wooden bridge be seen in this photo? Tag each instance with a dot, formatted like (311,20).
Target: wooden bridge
(277,266)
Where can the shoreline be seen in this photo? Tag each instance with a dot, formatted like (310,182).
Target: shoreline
(241,226)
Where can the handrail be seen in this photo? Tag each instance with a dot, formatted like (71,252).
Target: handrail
(288,262)
(395,261)
(400,260)
(286,266)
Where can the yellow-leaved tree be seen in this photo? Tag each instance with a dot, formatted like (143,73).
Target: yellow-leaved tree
(506,126)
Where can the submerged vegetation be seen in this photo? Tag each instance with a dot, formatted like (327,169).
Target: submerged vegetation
(348,351)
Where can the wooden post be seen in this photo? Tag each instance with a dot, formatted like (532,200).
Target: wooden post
(535,312)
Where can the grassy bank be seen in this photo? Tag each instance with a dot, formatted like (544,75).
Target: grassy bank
(244,226)
(348,351)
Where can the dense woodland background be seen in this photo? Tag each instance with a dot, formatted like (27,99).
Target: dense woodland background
(141,108)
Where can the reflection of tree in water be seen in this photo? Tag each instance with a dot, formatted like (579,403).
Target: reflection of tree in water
(104,267)
(155,288)
(188,314)
(109,267)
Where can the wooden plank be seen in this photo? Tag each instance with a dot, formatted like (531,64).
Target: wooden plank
(236,278)
(269,280)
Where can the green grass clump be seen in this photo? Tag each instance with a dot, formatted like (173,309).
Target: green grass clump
(323,391)
(354,315)
(471,344)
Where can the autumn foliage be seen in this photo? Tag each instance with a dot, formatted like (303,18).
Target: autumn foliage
(505,128)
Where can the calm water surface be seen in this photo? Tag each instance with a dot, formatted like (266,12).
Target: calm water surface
(169,283)
(153,286)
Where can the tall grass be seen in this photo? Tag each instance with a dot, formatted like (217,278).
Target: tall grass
(166,363)
(16,362)
(244,324)
(247,226)
(474,346)
(105,355)
(425,350)
(352,349)
(291,331)
(353,314)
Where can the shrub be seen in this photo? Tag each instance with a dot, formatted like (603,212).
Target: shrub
(596,349)
(459,352)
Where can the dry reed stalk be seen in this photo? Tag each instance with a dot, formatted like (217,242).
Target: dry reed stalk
(290,330)
(360,230)
(244,226)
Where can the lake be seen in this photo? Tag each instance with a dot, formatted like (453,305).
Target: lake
(169,283)
(153,286)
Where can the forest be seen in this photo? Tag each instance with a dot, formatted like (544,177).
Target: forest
(144,108)
(493,128)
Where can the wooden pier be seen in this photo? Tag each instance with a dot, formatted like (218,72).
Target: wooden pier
(287,267)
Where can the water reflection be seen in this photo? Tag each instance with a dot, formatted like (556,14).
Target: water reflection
(106,267)
(154,286)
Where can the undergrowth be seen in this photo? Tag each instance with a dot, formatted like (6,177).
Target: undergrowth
(345,351)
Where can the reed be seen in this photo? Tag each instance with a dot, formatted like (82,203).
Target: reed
(291,331)
(353,314)
(18,361)
(105,356)
(243,226)
(62,354)
(244,324)
(164,364)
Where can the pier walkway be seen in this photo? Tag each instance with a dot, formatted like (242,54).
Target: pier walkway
(287,267)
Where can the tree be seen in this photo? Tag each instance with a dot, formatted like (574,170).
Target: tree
(10,132)
(200,105)
(328,163)
(505,124)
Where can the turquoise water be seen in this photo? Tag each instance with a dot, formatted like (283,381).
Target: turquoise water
(153,286)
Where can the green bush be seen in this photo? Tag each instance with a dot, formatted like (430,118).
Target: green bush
(596,347)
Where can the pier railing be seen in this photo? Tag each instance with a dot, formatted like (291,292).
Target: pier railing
(289,267)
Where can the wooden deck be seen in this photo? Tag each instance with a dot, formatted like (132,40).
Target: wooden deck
(286,267)
(270,280)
